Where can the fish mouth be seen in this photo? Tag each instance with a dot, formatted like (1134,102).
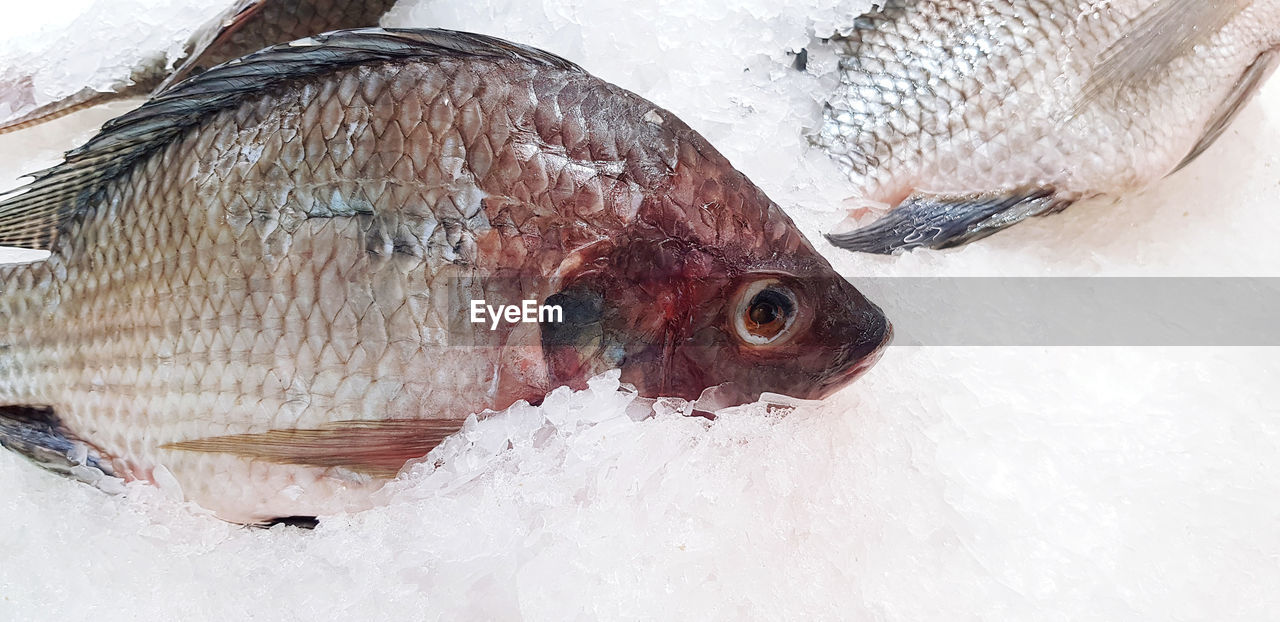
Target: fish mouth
(875,355)
(728,394)
(860,367)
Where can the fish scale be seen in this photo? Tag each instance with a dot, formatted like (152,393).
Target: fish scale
(261,312)
(334,362)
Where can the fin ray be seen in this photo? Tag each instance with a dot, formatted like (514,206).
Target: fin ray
(377,448)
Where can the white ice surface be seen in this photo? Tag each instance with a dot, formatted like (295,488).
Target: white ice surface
(66,45)
(948,484)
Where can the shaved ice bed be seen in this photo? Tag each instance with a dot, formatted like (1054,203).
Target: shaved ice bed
(948,484)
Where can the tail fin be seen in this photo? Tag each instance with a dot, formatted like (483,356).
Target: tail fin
(942,221)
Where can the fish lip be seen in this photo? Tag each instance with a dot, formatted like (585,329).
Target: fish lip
(873,357)
(842,379)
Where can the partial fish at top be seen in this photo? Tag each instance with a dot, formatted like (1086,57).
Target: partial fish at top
(964,117)
(246,26)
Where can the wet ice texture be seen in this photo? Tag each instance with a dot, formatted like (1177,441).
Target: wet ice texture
(948,484)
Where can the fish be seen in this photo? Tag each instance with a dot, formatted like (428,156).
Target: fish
(956,119)
(245,26)
(262,285)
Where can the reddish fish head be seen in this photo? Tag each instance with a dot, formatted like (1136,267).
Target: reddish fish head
(718,291)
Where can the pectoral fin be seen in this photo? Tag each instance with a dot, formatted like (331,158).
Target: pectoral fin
(944,221)
(1244,89)
(1164,31)
(375,448)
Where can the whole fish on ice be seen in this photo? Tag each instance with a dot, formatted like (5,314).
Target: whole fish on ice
(964,117)
(260,280)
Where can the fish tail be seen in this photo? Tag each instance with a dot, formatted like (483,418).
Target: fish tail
(942,221)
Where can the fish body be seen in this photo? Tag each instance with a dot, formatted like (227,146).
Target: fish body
(965,117)
(260,281)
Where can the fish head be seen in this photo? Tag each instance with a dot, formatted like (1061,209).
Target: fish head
(720,292)
(803,333)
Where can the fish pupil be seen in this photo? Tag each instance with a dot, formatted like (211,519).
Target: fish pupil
(763,312)
(769,306)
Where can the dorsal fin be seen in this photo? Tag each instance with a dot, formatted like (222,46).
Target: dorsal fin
(31,215)
(1163,32)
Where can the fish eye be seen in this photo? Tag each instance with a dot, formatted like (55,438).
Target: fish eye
(765,311)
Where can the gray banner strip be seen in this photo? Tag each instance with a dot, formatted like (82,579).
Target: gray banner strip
(1039,311)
